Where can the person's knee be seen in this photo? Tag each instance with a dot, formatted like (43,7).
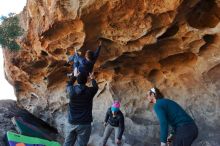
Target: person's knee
(83,138)
(82,141)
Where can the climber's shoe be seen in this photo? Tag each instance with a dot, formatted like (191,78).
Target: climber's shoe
(69,75)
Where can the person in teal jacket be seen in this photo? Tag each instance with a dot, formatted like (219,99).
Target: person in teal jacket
(169,113)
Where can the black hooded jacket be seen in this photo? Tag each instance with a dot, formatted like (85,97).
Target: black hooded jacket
(81,102)
(117,121)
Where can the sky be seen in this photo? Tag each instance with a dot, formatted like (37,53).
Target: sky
(6,7)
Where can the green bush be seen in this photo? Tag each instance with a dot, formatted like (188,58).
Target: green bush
(10,30)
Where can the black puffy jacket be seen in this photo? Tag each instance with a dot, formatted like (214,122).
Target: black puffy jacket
(117,121)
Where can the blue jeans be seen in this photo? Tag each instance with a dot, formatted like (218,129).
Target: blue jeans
(78,134)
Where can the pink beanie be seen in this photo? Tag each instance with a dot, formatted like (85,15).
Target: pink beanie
(116,104)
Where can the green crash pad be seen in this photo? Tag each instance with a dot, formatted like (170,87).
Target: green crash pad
(14,139)
(28,129)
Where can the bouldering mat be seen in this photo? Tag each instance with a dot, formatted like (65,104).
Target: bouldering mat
(28,129)
(21,140)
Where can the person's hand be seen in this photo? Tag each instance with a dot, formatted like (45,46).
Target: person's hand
(91,76)
(105,124)
(118,141)
(100,43)
(75,50)
(170,138)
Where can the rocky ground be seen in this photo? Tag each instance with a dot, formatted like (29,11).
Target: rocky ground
(7,111)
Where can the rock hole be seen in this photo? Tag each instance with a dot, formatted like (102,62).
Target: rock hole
(209,38)
(170,32)
(204,15)
(40,64)
(58,51)
(56,77)
(105,40)
(178,60)
(213,74)
(155,75)
(44,53)
(15,62)
(117,69)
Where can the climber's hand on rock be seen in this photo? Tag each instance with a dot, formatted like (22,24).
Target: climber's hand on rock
(91,76)
(100,42)
(105,124)
(75,50)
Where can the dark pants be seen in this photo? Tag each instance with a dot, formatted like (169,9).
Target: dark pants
(185,135)
(78,135)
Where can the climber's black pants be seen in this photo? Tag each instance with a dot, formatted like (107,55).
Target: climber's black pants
(185,135)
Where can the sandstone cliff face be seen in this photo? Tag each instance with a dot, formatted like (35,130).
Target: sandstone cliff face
(173,45)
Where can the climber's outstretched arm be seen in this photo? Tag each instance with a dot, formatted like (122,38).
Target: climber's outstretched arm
(69,88)
(97,52)
(95,86)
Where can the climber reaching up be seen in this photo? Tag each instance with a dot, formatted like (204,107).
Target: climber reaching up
(114,120)
(85,64)
(80,109)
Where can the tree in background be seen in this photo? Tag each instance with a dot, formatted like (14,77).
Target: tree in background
(10,30)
